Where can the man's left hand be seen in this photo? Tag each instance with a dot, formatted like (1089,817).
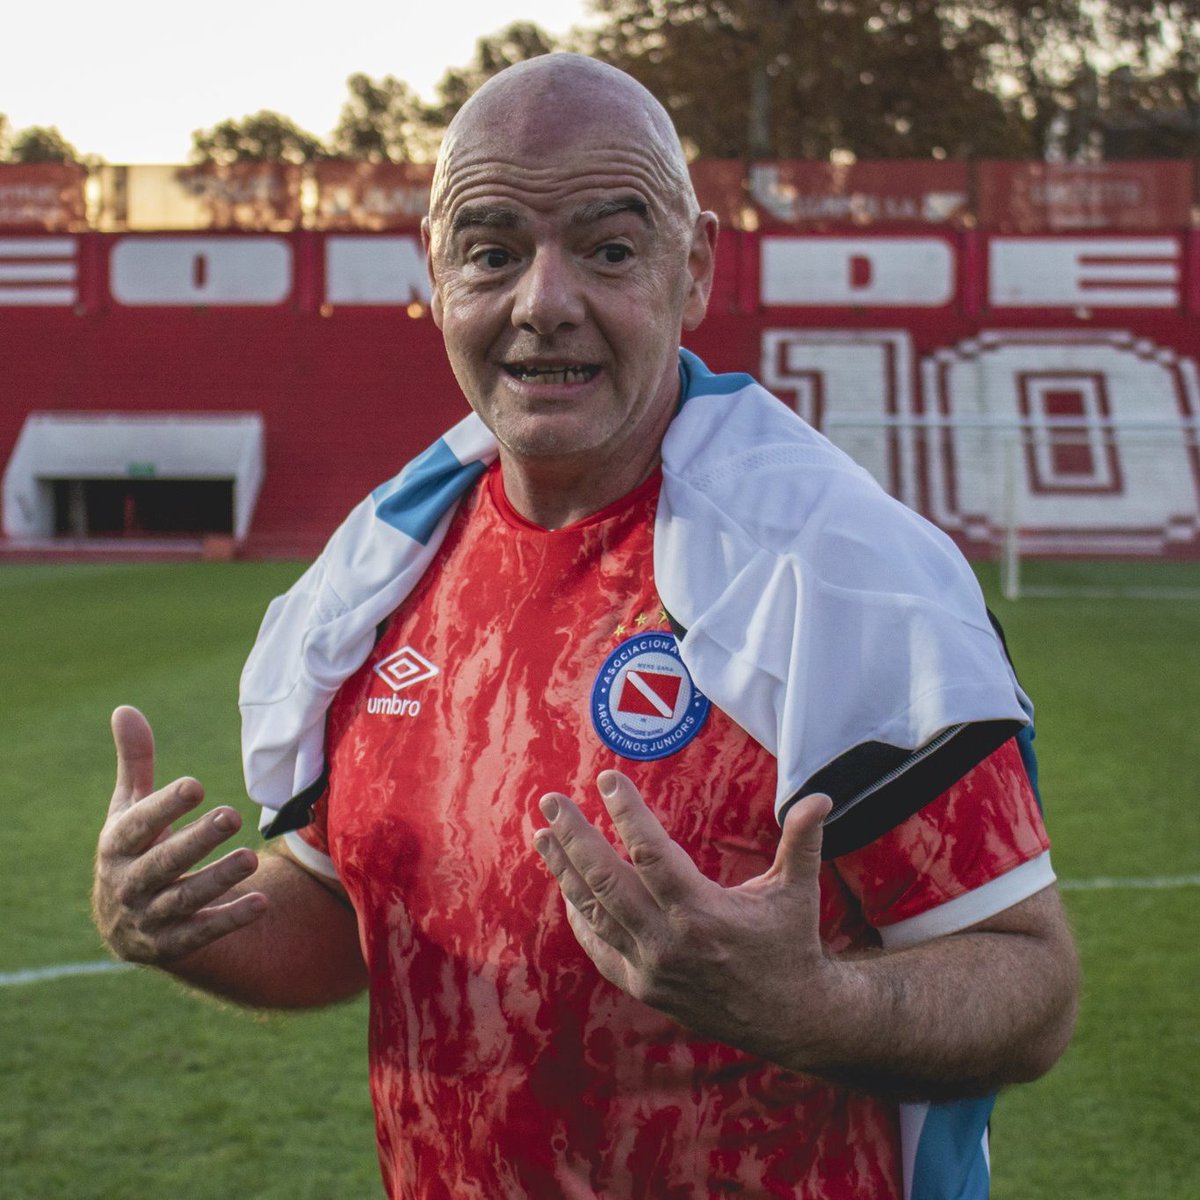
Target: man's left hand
(739,965)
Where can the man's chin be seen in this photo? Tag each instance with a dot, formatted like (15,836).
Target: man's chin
(544,450)
(547,438)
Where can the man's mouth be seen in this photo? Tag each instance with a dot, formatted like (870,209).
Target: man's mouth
(575,373)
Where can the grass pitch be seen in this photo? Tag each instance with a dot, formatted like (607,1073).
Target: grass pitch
(120,1085)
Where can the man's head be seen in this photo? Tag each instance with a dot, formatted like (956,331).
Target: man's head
(567,253)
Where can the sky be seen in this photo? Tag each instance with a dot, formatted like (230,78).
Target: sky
(131,79)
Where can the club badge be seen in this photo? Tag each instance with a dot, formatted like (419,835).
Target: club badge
(644,703)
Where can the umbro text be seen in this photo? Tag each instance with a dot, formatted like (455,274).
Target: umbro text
(393,706)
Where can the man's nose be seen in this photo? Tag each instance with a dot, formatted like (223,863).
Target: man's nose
(548,296)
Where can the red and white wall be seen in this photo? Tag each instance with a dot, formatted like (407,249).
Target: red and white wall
(914,347)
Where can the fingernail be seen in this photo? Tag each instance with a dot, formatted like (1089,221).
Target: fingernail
(224,822)
(549,807)
(606,781)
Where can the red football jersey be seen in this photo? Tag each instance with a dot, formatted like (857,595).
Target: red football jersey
(501,1063)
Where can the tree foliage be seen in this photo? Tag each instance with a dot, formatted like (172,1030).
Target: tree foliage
(899,78)
(262,137)
(779,79)
(381,120)
(514,43)
(1150,116)
(385,120)
(807,78)
(36,144)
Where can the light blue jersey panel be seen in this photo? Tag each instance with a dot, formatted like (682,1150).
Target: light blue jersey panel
(951,1161)
(698,380)
(416,499)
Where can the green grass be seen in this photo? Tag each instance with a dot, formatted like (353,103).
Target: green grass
(121,1086)
(1117,690)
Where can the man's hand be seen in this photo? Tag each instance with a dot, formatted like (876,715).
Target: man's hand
(739,965)
(958,1015)
(146,904)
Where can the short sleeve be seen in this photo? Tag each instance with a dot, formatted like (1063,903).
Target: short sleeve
(310,845)
(976,850)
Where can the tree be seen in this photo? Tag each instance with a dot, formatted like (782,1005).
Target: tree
(892,78)
(35,144)
(1053,51)
(385,121)
(262,137)
(1150,102)
(1150,116)
(382,120)
(780,79)
(514,43)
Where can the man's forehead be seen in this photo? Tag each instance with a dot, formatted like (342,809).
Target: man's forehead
(599,182)
(540,132)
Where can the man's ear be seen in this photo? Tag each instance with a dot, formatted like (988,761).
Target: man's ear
(435,295)
(702,259)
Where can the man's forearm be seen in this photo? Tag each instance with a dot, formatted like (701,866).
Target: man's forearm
(745,965)
(303,952)
(958,1016)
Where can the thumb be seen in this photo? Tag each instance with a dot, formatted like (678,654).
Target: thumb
(135,757)
(798,856)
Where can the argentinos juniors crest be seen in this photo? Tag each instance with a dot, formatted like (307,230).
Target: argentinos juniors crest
(644,703)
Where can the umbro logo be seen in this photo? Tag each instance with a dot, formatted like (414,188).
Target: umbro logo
(399,671)
(404,668)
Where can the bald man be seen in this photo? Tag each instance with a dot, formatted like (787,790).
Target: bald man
(633,984)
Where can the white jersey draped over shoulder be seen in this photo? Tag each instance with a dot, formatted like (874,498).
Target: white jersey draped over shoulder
(840,629)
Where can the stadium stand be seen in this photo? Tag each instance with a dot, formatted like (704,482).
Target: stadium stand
(987,341)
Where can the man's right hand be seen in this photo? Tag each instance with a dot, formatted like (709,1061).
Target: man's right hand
(148,904)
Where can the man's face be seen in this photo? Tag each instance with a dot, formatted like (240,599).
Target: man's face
(564,266)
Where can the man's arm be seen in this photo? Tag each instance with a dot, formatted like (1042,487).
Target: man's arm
(957,1016)
(259,931)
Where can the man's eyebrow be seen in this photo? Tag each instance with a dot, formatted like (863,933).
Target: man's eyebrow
(598,210)
(486,216)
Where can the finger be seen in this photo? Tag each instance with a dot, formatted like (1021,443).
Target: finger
(187,896)
(134,741)
(798,855)
(172,857)
(581,900)
(663,866)
(136,828)
(210,924)
(615,966)
(606,877)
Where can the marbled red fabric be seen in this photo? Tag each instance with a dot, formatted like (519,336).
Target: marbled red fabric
(502,1065)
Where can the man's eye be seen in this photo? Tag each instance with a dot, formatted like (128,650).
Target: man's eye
(614,252)
(493,259)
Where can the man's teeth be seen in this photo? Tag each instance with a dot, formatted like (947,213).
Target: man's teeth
(554,374)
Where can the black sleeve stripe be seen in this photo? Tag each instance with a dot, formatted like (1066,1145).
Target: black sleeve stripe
(680,631)
(297,812)
(875,786)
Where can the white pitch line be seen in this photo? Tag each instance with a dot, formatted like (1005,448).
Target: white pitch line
(1102,883)
(1106,884)
(61,971)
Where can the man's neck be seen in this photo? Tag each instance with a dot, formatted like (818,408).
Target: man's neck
(553,493)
